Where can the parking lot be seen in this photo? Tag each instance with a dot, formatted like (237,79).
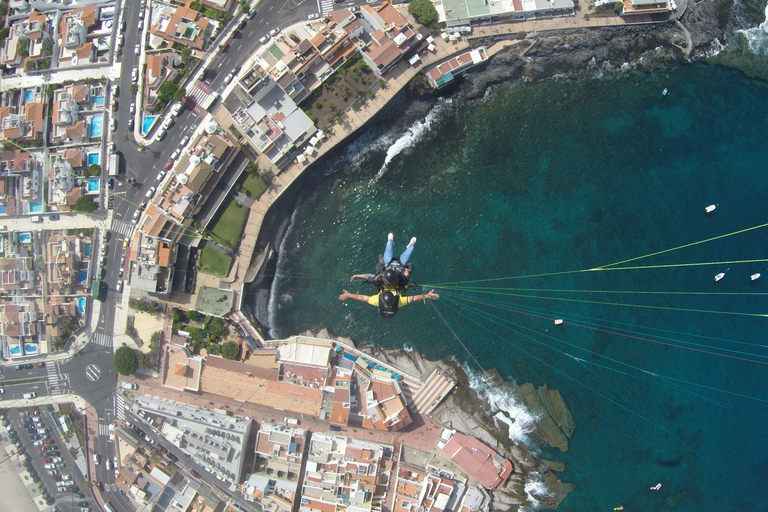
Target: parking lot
(33,443)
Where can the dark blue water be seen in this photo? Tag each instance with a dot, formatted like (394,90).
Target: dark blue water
(512,198)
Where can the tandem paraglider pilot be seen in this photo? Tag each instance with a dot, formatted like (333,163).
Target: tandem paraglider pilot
(388,301)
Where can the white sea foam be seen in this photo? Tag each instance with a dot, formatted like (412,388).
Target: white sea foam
(535,490)
(370,141)
(757,37)
(274,303)
(509,408)
(413,135)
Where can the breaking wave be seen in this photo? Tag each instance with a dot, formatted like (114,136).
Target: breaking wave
(757,37)
(413,135)
(507,408)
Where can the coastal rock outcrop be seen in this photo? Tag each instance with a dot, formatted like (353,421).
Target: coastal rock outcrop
(566,52)
(466,411)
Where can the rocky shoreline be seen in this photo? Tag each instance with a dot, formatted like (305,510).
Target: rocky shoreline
(572,52)
(466,411)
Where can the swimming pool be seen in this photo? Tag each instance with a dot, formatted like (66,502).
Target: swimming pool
(35,207)
(3,208)
(92,185)
(87,250)
(93,158)
(29,95)
(96,125)
(25,238)
(147,123)
(98,100)
(30,349)
(15,350)
(82,276)
(81,305)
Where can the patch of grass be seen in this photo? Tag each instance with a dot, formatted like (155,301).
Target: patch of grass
(254,185)
(228,225)
(214,262)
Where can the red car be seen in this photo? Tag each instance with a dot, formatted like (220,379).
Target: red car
(47,460)
(169,164)
(49,441)
(56,477)
(34,412)
(40,448)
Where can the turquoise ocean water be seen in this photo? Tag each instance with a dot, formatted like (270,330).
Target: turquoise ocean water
(513,198)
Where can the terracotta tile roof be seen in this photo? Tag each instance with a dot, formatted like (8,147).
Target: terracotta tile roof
(33,111)
(80,93)
(85,51)
(76,130)
(478,460)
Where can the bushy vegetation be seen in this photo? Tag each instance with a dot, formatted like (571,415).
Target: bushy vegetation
(93,170)
(145,305)
(126,362)
(85,204)
(424,12)
(204,331)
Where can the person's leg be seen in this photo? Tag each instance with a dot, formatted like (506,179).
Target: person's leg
(408,251)
(389,250)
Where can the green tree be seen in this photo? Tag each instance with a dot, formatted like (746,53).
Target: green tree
(156,337)
(126,362)
(85,204)
(198,6)
(618,7)
(134,88)
(185,54)
(93,170)
(230,350)
(424,12)
(179,94)
(21,49)
(166,91)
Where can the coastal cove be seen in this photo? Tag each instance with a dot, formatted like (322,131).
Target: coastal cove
(463,177)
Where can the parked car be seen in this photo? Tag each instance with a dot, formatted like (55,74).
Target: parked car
(228,78)
(130,124)
(184,141)
(168,122)
(111,183)
(274,32)
(223,47)
(129,385)
(242,24)
(175,154)
(112,124)
(132,108)
(235,33)
(135,75)
(137,49)
(119,285)
(161,174)
(177,107)
(313,16)
(120,40)
(49,441)
(264,39)
(52,217)
(250,14)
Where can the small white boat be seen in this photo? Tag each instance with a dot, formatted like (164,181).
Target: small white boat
(721,275)
(755,276)
(664,92)
(558,321)
(710,208)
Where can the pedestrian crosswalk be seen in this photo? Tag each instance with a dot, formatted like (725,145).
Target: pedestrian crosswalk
(326,6)
(53,379)
(121,228)
(103,429)
(102,339)
(198,92)
(120,406)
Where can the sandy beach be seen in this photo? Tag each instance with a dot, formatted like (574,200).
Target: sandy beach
(14,497)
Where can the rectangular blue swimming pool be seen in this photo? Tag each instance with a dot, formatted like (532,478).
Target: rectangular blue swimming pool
(93,158)
(96,125)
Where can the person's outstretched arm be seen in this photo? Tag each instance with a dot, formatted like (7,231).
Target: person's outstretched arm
(431,295)
(357,296)
(367,277)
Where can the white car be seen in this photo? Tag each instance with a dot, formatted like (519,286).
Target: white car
(167,123)
(132,108)
(135,75)
(160,134)
(115,90)
(137,49)
(113,124)
(264,39)
(141,14)
(313,16)
(274,32)
(119,285)
(38,443)
(120,40)
(160,175)
(150,192)
(135,217)
(176,109)
(175,154)
(228,78)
